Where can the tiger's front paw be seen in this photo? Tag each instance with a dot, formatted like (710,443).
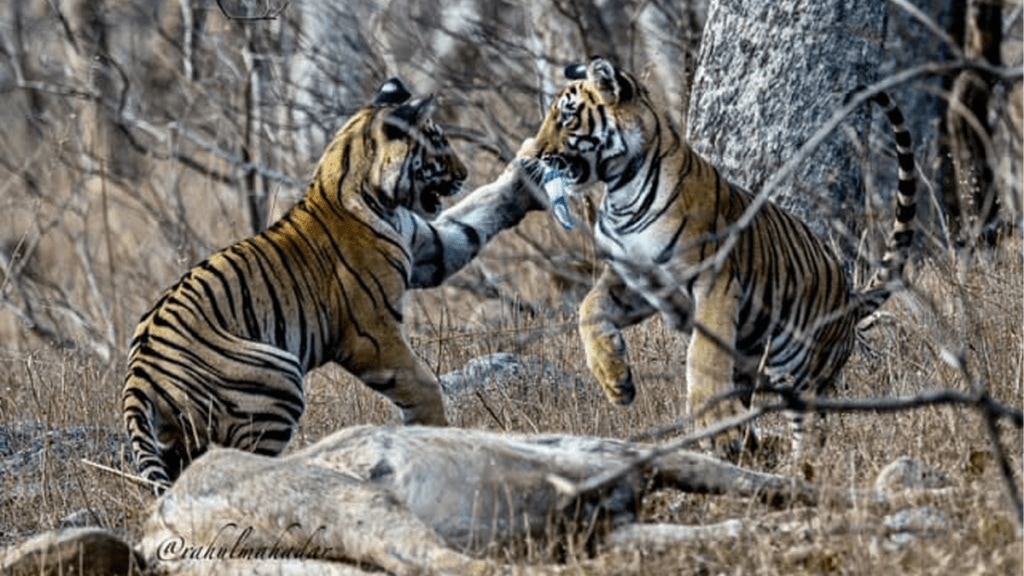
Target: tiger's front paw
(606,358)
(428,412)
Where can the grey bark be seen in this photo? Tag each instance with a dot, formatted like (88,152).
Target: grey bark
(968,191)
(909,42)
(769,73)
(653,39)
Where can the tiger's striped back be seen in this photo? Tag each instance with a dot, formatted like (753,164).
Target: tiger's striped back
(765,302)
(220,358)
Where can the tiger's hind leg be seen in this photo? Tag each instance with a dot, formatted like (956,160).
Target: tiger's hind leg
(159,441)
(252,398)
(608,308)
(180,397)
(140,419)
(710,365)
(808,429)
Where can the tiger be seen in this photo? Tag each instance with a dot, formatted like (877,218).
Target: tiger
(221,356)
(773,309)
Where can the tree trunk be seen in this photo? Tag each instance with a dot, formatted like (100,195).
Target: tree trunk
(968,185)
(909,43)
(769,74)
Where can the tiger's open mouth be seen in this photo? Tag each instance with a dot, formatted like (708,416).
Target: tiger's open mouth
(574,167)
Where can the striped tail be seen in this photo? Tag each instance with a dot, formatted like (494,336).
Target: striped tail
(138,419)
(881,285)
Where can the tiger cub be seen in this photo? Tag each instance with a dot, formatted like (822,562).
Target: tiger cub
(220,358)
(765,301)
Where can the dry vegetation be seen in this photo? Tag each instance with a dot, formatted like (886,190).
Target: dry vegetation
(58,409)
(90,233)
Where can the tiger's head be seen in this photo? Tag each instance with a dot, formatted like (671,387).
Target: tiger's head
(414,165)
(598,127)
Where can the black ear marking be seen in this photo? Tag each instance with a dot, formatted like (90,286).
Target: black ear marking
(576,72)
(391,93)
(406,117)
(626,91)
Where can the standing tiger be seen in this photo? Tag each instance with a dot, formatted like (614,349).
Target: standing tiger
(777,305)
(220,358)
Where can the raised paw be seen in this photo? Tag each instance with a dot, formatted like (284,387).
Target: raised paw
(606,358)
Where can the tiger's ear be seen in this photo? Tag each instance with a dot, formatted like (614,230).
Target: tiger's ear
(407,116)
(614,87)
(392,93)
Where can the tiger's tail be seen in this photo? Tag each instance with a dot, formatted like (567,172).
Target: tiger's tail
(881,286)
(139,413)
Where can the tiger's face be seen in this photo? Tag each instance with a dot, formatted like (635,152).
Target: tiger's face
(597,128)
(415,165)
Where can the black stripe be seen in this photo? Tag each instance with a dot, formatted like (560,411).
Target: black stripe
(906,162)
(626,176)
(903,238)
(907,188)
(895,118)
(383,387)
(252,326)
(880,98)
(298,286)
(905,212)
(340,258)
(271,283)
(211,295)
(667,252)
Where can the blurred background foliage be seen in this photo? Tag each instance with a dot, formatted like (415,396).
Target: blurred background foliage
(139,136)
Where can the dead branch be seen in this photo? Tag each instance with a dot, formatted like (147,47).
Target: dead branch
(932,26)
(127,123)
(130,477)
(268,14)
(991,410)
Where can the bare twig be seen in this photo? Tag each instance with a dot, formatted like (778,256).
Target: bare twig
(991,409)
(131,477)
(931,25)
(494,416)
(268,14)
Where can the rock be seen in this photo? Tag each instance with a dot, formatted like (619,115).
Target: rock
(905,473)
(918,520)
(502,369)
(27,448)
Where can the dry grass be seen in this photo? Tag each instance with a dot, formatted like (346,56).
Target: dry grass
(91,231)
(56,409)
